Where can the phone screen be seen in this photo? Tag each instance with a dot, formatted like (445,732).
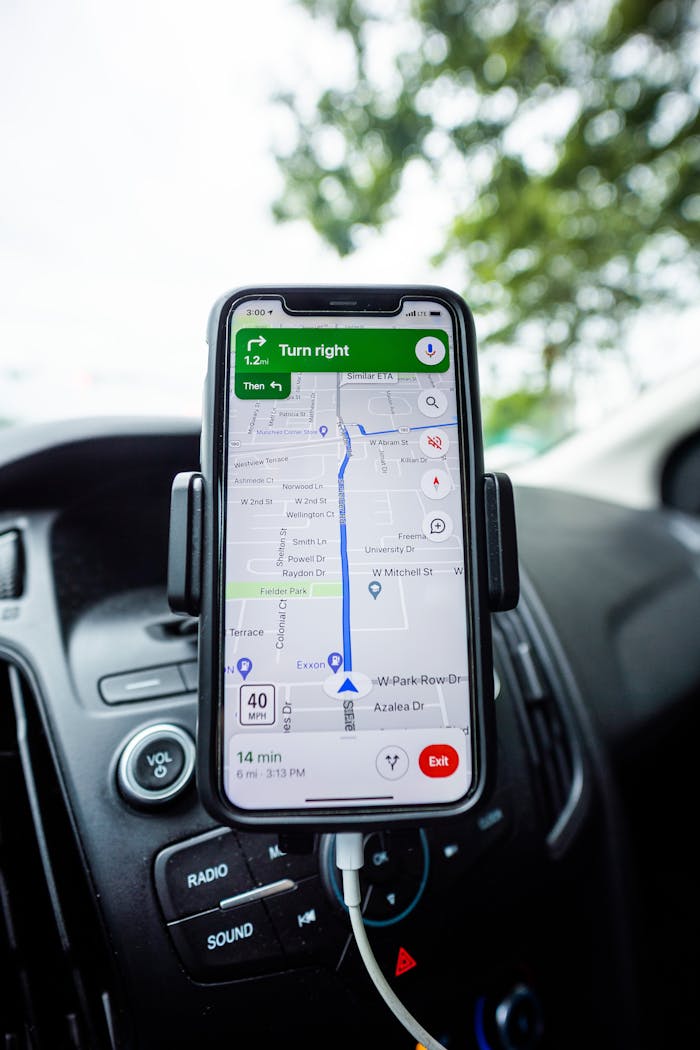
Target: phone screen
(345,622)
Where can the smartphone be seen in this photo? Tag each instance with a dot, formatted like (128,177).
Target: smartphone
(345,671)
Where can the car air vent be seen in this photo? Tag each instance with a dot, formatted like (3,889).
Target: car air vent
(541,705)
(55,971)
(11,564)
(174,627)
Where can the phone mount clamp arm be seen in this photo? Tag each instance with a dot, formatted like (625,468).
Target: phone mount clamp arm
(185,543)
(186,533)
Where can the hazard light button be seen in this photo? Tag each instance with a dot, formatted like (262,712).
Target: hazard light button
(404,962)
(438,760)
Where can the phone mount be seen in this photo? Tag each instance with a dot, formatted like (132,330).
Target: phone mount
(186,533)
(185,543)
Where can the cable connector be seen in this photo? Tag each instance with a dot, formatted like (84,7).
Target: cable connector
(349,858)
(349,851)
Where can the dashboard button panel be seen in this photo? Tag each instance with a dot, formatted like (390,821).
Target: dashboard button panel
(156,765)
(393,878)
(268,862)
(190,674)
(222,919)
(148,684)
(304,919)
(196,875)
(457,846)
(219,944)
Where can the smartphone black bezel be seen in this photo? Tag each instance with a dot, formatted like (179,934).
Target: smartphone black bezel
(384,300)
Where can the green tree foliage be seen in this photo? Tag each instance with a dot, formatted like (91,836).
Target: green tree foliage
(571,134)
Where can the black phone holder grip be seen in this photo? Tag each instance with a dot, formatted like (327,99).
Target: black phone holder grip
(186,529)
(501,543)
(185,543)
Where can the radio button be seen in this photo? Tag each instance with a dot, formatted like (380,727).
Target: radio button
(196,875)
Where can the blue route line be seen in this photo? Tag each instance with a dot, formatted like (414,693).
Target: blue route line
(344,568)
(347,644)
(428,426)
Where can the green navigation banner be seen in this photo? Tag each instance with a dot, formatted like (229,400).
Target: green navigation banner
(286,350)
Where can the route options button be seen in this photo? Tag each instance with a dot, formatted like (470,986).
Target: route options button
(392,762)
(438,760)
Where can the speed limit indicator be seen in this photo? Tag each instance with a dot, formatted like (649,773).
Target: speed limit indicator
(257,705)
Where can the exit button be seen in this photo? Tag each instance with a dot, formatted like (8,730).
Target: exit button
(438,760)
(156,764)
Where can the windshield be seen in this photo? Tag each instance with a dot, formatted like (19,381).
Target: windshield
(541,160)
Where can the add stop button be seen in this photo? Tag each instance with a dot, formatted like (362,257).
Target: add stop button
(156,764)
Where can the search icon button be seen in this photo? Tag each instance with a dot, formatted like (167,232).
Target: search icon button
(432,402)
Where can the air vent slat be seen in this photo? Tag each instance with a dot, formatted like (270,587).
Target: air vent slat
(538,705)
(550,778)
(48,998)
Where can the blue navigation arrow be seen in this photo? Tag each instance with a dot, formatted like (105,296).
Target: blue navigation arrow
(347,687)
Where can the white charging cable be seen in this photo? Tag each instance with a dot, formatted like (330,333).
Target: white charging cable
(349,857)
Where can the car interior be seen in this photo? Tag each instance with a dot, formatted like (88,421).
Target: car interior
(561,912)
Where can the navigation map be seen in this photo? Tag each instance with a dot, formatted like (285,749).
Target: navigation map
(345,574)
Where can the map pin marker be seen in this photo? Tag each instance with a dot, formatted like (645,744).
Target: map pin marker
(244,667)
(374,589)
(334,661)
(323,431)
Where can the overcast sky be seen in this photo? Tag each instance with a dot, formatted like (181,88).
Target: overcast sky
(135,188)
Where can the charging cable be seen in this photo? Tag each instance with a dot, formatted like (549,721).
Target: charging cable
(349,857)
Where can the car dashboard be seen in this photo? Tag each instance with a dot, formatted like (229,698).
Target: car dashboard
(560,912)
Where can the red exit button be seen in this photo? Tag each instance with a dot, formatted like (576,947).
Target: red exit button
(438,760)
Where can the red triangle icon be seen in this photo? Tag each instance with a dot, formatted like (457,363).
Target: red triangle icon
(404,962)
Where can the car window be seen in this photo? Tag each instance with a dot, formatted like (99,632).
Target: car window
(153,163)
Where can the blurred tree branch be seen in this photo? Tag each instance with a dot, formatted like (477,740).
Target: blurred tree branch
(574,126)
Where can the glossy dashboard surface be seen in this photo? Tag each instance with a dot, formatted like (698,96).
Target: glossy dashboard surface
(166,930)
